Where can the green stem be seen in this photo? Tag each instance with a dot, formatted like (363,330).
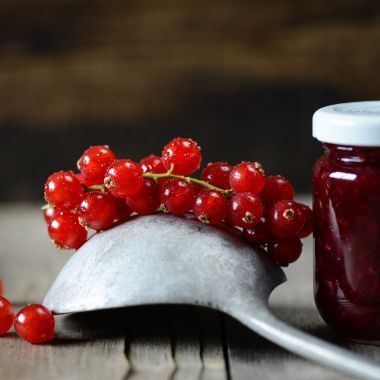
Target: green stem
(101,188)
(228,193)
(169,174)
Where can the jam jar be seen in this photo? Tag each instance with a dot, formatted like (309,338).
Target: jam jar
(346,201)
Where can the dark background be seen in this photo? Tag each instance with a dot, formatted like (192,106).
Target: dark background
(241,77)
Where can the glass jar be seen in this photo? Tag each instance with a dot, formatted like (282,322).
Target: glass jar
(346,198)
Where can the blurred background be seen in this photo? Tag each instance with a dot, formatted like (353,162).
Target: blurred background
(241,77)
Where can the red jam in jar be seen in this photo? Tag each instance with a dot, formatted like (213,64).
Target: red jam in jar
(346,191)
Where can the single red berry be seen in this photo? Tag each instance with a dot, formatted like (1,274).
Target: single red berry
(245,210)
(307,228)
(177,196)
(277,188)
(63,190)
(247,177)
(35,324)
(94,162)
(217,174)
(6,315)
(284,251)
(210,206)
(66,231)
(123,212)
(147,200)
(285,219)
(124,178)
(152,164)
(259,234)
(49,213)
(97,210)
(184,154)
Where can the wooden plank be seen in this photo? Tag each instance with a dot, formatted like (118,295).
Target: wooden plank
(212,336)
(78,352)
(186,343)
(148,344)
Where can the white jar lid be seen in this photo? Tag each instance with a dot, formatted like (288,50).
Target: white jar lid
(354,124)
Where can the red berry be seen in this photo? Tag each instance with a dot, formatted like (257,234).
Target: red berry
(217,174)
(277,188)
(6,315)
(284,250)
(49,213)
(184,154)
(259,234)
(285,219)
(152,164)
(307,228)
(66,231)
(245,210)
(35,324)
(94,163)
(123,212)
(247,177)
(124,178)
(63,190)
(147,200)
(210,206)
(97,210)
(177,196)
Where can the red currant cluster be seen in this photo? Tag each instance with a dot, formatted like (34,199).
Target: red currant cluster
(107,190)
(34,323)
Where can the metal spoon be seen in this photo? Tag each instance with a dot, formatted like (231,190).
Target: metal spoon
(163,259)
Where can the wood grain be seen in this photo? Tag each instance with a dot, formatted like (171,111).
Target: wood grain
(66,60)
(76,353)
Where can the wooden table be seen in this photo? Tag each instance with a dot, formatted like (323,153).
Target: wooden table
(147,342)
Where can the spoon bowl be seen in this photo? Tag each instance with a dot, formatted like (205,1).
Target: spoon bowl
(164,259)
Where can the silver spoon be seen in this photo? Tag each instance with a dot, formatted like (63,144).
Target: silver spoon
(163,259)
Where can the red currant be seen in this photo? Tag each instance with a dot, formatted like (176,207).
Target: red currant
(35,324)
(123,212)
(152,164)
(82,180)
(210,206)
(285,219)
(245,210)
(66,231)
(147,200)
(94,163)
(63,190)
(124,178)
(183,154)
(49,213)
(177,196)
(307,228)
(97,210)
(6,315)
(217,174)
(247,177)
(277,188)
(284,250)
(259,234)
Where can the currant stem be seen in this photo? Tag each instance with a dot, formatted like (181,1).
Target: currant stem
(228,193)
(101,188)
(169,174)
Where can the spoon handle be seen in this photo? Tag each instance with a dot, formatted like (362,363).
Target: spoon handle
(317,350)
